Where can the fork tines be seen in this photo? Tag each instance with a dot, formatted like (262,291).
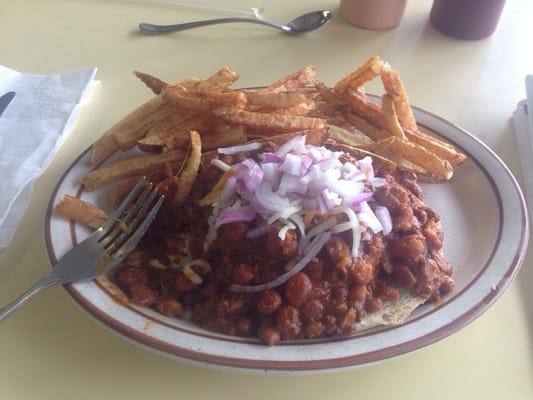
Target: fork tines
(126,226)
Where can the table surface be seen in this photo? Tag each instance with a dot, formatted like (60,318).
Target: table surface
(51,349)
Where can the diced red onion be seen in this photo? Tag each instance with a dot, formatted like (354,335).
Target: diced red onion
(330,199)
(271,173)
(299,222)
(228,191)
(285,213)
(322,227)
(329,164)
(291,184)
(315,154)
(284,229)
(365,165)
(258,231)
(296,144)
(310,203)
(249,175)
(384,217)
(246,213)
(368,218)
(355,202)
(242,147)
(292,165)
(272,158)
(317,245)
(269,200)
(377,182)
(220,164)
(356,231)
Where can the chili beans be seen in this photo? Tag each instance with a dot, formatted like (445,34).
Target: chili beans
(327,298)
(288,322)
(234,231)
(268,333)
(169,306)
(410,246)
(242,274)
(142,295)
(129,274)
(269,302)
(297,289)
(285,248)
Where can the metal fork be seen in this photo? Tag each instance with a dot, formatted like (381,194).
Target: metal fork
(105,248)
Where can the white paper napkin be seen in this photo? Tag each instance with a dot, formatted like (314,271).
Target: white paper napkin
(523,129)
(32,128)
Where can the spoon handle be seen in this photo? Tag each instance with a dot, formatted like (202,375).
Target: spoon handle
(150,28)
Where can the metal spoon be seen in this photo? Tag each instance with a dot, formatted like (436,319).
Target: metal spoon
(303,23)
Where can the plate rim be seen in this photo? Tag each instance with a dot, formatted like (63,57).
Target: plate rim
(322,364)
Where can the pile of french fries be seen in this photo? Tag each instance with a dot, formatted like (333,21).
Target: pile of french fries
(185,121)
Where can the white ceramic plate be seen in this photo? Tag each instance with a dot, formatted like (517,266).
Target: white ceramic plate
(486,231)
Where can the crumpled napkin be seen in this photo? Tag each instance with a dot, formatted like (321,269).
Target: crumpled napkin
(32,128)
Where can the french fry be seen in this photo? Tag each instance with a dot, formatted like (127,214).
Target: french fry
(390,117)
(352,138)
(298,109)
(132,122)
(366,127)
(274,122)
(329,95)
(358,77)
(178,98)
(229,137)
(422,157)
(278,100)
(395,88)
(176,120)
(80,211)
(190,171)
(378,146)
(202,100)
(221,79)
(102,149)
(364,107)
(214,194)
(135,166)
(155,84)
(440,148)
(156,142)
(291,82)
(126,138)
(324,109)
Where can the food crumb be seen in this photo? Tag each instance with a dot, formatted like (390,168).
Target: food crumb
(148,325)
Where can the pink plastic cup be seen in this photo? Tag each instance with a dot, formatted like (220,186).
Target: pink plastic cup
(373,14)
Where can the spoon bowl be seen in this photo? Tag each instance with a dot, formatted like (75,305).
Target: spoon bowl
(309,22)
(304,23)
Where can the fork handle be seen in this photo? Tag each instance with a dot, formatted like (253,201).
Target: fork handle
(38,287)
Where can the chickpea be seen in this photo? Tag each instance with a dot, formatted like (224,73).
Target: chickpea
(288,322)
(409,246)
(269,302)
(169,306)
(244,326)
(129,274)
(268,333)
(297,289)
(312,309)
(142,295)
(242,274)
(403,276)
